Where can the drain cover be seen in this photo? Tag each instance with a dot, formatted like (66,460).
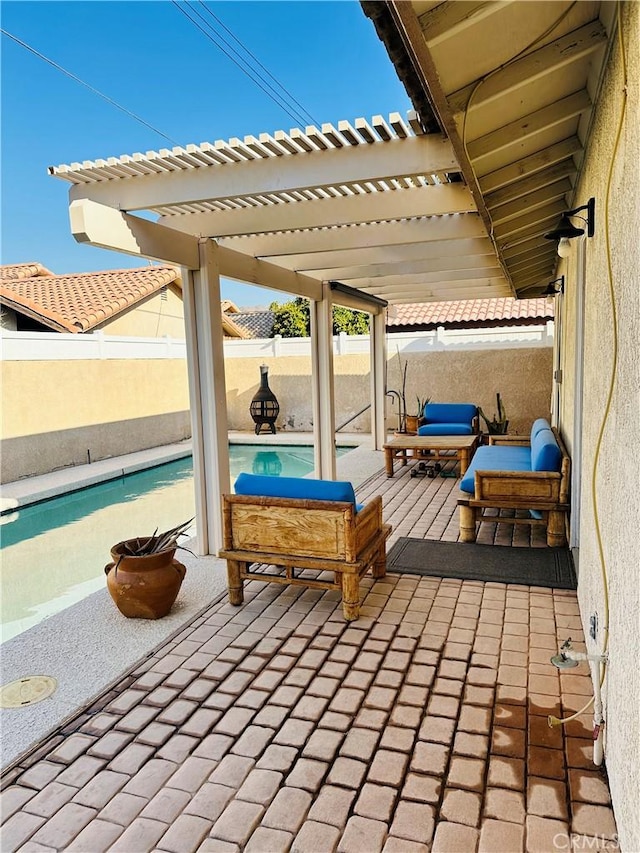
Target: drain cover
(27,691)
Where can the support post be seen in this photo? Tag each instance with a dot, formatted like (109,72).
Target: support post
(207,391)
(322,382)
(378,361)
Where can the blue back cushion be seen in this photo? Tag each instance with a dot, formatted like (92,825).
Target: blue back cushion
(545,453)
(294,487)
(450,413)
(538,424)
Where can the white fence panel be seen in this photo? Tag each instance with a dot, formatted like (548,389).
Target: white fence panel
(51,346)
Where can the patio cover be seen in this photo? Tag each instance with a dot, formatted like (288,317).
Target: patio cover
(378,206)
(450,203)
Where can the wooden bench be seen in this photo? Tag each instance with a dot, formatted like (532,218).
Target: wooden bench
(298,534)
(544,492)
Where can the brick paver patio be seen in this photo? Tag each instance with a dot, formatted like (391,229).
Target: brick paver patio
(277,726)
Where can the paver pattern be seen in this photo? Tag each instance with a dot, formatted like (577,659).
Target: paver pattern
(276,726)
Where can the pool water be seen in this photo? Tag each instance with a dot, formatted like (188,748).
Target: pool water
(54,552)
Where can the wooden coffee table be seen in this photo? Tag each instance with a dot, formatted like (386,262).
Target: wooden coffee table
(403,447)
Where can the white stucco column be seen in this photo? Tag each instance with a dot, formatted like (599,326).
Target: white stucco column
(378,360)
(207,392)
(322,385)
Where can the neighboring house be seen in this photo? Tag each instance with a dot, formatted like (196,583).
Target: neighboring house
(425,316)
(142,302)
(255,322)
(469,314)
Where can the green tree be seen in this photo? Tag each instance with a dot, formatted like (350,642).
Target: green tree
(349,321)
(292,320)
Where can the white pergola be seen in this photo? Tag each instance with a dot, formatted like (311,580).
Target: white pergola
(370,212)
(362,215)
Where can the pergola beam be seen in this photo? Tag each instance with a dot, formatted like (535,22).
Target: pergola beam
(373,235)
(437,251)
(107,228)
(435,267)
(419,155)
(246,268)
(451,279)
(346,210)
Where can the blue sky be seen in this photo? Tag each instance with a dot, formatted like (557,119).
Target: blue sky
(151,60)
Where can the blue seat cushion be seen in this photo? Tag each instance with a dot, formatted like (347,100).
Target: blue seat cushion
(545,453)
(495,458)
(295,487)
(445,429)
(450,413)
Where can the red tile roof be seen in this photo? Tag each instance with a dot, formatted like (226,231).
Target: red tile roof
(468,313)
(13,271)
(79,302)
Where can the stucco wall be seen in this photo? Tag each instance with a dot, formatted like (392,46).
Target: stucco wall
(617,493)
(522,376)
(58,413)
(159,315)
(63,412)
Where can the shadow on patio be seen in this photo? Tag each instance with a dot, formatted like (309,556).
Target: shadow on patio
(277,726)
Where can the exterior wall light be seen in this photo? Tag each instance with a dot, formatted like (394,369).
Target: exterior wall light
(554,287)
(566,231)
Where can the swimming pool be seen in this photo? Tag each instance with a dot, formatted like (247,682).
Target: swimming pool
(54,552)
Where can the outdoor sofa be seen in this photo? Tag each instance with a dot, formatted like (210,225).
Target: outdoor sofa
(299,524)
(449,419)
(519,473)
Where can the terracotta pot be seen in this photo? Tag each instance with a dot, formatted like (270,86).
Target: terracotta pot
(143,587)
(412,424)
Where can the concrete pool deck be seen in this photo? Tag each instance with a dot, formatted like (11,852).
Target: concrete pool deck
(89,645)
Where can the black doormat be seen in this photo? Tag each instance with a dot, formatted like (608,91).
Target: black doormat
(548,567)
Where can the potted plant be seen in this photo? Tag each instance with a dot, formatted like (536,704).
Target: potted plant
(413,421)
(499,423)
(400,395)
(144,578)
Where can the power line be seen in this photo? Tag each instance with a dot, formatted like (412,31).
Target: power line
(257,61)
(273,95)
(86,85)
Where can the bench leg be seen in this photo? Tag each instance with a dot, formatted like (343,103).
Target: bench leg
(350,583)
(379,568)
(555,529)
(234,582)
(467,523)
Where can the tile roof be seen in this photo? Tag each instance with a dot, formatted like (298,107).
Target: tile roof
(13,271)
(259,324)
(79,302)
(469,313)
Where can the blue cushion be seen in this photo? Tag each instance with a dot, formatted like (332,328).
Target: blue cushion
(445,429)
(538,424)
(495,458)
(294,487)
(448,413)
(545,453)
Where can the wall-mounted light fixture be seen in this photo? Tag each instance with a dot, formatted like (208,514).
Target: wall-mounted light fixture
(566,231)
(555,287)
